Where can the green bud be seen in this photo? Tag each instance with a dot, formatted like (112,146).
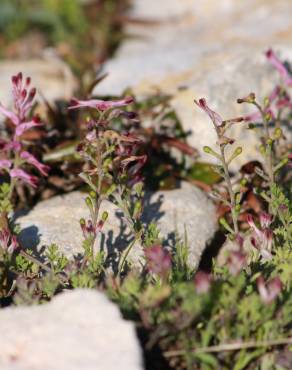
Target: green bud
(107,162)
(243,182)
(207,149)
(88,201)
(235,154)
(266,102)
(224,223)
(210,151)
(268,117)
(281,164)
(138,188)
(237,198)
(278,133)
(262,149)
(82,221)
(237,208)
(269,142)
(111,189)
(104,216)
(92,194)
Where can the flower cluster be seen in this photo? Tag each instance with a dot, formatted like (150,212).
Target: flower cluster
(158,260)
(269,291)
(8,242)
(262,238)
(13,154)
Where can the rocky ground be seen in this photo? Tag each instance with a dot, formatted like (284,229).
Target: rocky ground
(186,48)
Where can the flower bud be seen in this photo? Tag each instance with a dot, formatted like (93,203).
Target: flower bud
(235,154)
(92,194)
(278,133)
(210,151)
(104,216)
(248,99)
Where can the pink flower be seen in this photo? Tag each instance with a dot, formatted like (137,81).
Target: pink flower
(269,291)
(100,105)
(236,262)
(265,220)
(202,282)
(7,241)
(275,94)
(215,118)
(275,61)
(134,168)
(10,115)
(5,163)
(158,260)
(25,177)
(23,97)
(29,158)
(22,127)
(257,116)
(262,239)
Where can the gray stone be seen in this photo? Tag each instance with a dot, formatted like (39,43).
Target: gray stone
(183,210)
(52,78)
(78,330)
(208,49)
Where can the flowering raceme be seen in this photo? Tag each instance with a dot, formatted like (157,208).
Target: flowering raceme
(279,97)
(15,156)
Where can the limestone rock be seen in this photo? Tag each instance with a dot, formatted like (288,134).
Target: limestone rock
(78,330)
(210,49)
(185,209)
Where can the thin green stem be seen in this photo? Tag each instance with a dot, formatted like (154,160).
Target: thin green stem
(227,179)
(231,347)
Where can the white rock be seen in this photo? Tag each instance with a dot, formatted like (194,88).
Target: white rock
(78,330)
(210,49)
(186,209)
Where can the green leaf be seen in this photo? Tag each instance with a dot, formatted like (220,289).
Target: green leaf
(204,172)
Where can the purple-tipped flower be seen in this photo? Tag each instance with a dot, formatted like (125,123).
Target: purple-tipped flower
(23,95)
(262,239)
(215,117)
(100,105)
(269,291)
(13,149)
(19,174)
(265,220)
(158,260)
(8,242)
(5,163)
(202,282)
(10,115)
(236,262)
(22,127)
(275,61)
(29,158)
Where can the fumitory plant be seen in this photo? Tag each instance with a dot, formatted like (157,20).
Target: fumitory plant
(16,163)
(112,172)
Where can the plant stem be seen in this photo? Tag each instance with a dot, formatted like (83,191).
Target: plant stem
(230,190)
(231,347)
(125,256)
(268,152)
